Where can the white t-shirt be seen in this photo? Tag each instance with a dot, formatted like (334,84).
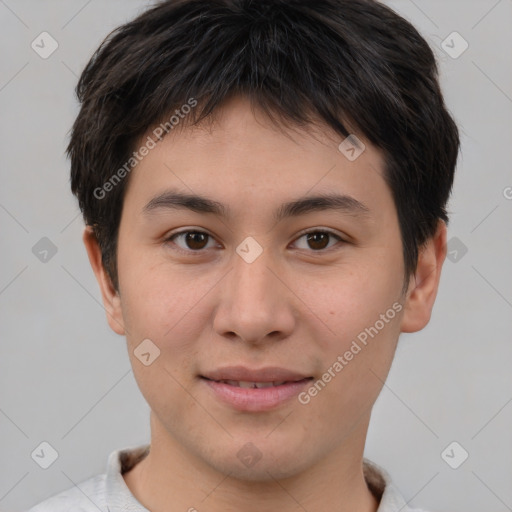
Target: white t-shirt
(108,492)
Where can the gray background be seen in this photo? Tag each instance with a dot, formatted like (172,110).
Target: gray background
(65,377)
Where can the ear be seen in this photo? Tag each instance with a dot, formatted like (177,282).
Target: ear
(110,296)
(423,287)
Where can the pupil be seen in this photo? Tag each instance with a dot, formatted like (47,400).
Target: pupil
(315,238)
(192,239)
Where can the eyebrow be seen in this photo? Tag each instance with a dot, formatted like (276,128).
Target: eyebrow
(173,199)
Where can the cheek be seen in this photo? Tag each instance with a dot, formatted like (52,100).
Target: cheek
(158,299)
(358,320)
(162,309)
(343,303)
(170,310)
(355,368)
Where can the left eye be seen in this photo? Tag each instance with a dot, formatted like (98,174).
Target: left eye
(318,240)
(195,241)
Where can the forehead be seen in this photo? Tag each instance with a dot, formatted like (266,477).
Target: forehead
(242,156)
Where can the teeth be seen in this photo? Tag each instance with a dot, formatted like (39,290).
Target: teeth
(252,385)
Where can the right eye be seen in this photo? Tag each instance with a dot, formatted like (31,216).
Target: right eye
(192,241)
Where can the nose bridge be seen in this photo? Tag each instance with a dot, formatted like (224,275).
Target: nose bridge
(254,301)
(253,284)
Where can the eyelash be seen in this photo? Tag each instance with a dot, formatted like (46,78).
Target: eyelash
(201,251)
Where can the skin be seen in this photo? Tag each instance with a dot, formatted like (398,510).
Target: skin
(294,307)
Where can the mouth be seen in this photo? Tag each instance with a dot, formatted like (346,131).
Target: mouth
(254,390)
(257,385)
(270,375)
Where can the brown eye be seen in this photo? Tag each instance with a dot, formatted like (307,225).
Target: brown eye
(319,240)
(196,240)
(190,240)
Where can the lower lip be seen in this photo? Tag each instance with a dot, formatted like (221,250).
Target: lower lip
(256,399)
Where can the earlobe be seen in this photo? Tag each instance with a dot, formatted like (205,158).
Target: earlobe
(424,284)
(110,296)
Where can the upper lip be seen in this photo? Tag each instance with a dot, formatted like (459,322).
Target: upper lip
(241,373)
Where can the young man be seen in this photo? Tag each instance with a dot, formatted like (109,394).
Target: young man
(264,187)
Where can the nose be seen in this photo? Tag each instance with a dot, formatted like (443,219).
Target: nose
(255,304)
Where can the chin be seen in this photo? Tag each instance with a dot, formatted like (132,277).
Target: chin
(250,464)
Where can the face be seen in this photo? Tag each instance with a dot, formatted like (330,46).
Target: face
(247,289)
